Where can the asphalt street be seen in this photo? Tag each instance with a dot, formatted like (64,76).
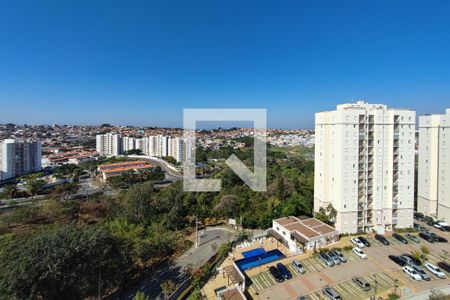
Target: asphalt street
(196,256)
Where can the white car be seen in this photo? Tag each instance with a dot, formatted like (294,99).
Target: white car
(435,270)
(359,252)
(357,242)
(411,272)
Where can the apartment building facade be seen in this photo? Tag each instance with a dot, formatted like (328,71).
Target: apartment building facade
(109,144)
(18,158)
(364,166)
(433,194)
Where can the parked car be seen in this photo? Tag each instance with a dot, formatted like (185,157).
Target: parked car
(364,241)
(298,266)
(421,272)
(398,260)
(284,271)
(362,283)
(435,270)
(400,238)
(415,261)
(340,255)
(427,236)
(302,298)
(334,257)
(412,273)
(444,265)
(440,239)
(408,259)
(418,216)
(428,219)
(326,259)
(437,225)
(357,242)
(412,237)
(276,274)
(382,239)
(359,252)
(330,293)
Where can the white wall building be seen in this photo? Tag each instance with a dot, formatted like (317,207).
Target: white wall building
(434,166)
(142,144)
(364,166)
(19,157)
(109,144)
(176,148)
(128,143)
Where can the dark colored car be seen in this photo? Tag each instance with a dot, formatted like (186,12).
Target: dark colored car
(427,237)
(398,260)
(412,238)
(445,228)
(400,238)
(440,239)
(326,259)
(419,216)
(362,283)
(276,274)
(444,266)
(364,241)
(413,259)
(382,239)
(284,271)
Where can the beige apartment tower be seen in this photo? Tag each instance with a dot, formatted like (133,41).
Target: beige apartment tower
(364,166)
(433,194)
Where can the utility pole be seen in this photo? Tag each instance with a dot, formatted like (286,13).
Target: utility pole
(196,232)
(197,222)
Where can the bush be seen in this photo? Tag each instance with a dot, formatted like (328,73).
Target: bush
(393,296)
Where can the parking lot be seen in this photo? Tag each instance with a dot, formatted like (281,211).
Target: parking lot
(264,279)
(378,270)
(349,290)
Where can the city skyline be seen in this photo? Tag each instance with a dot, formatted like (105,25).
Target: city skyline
(141,64)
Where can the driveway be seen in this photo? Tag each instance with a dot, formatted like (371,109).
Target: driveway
(197,256)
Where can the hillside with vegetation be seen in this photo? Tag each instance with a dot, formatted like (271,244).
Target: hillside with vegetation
(70,248)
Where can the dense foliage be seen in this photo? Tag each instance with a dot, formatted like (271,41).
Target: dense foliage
(63,248)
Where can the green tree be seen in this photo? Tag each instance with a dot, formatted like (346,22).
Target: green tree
(141,296)
(33,183)
(168,287)
(60,262)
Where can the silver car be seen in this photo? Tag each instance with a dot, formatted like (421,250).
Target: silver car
(334,257)
(421,272)
(330,293)
(298,266)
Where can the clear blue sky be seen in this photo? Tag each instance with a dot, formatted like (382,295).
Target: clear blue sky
(142,62)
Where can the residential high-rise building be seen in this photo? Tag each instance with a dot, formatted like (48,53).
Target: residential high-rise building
(158,146)
(19,157)
(176,148)
(433,193)
(364,166)
(142,144)
(128,143)
(109,144)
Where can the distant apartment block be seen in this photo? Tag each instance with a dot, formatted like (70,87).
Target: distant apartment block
(364,166)
(18,158)
(434,166)
(109,144)
(155,146)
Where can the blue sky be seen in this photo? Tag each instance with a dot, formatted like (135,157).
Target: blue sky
(142,62)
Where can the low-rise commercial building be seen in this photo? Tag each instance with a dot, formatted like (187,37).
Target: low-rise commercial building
(301,235)
(109,170)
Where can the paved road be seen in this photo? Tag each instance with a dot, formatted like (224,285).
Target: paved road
(174,270)
(170,173)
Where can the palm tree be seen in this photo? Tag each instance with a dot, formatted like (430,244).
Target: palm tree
(11,190)
(141,296)
(167,287)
